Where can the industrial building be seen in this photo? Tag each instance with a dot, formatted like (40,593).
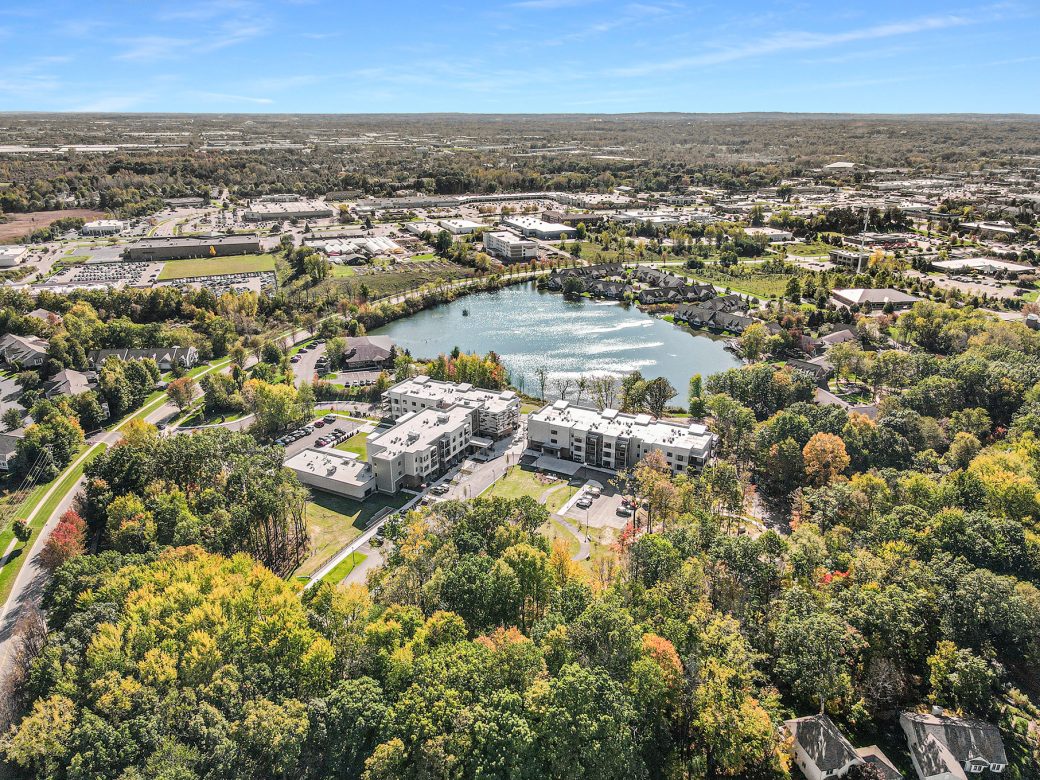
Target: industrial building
(184,247)
(533,227)
(281,207)
(982,265)
(614,440)
(460,227)
(10,256)
(496,413)
(509,246)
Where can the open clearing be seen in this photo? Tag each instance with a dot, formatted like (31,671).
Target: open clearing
(333,522)
(212,266)
(355,444)
(18,225)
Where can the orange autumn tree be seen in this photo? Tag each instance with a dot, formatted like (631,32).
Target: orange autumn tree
(825,459)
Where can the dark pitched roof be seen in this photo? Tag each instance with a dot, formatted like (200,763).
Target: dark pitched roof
(822,742)
(936,737)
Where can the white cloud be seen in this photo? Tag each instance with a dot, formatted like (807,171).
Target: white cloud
(798,40)
(223,97)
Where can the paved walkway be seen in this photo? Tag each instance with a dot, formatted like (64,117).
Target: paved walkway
(584,548)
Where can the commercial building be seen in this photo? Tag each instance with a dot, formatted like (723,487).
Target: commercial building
(496,413)
(102,227)
(333,471)
(539,228)
(460,227)
(874,300)
(998,229)
(773,235)
(850,261)
(282,207)
(509,246)
(983,265)
(421,446)
(614,440)
(183,247)
(10,256)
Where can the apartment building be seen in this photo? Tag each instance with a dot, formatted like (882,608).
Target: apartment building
(509,246)
(539,228)
(615,440)
(420,447)
(495,413)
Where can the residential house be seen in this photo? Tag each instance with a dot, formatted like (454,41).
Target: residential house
(820,750)
(869,300)
(24,351)
(818,368)
(165,357)
(9,447)
(943,747)
(69,382)
(368,353)
(45,316)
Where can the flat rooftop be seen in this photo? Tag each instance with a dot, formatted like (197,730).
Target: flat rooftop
(416,431)
(173,241)
(451,393)
(332,464)
(611,422)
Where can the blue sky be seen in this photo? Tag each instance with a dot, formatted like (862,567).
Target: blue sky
(524,56)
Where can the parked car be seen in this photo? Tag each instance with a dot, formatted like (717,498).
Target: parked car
(319,423)
(595,492)
(329,418)
(294,359)
(439,490)
(624,511)
(583,503)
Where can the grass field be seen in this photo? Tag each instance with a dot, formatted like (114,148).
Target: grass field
(211,266)
(334,522)
(808,250)
(345,567)
(355,444)
(399,279)
(760,285)
(18,225)
(519,483)
(342,272)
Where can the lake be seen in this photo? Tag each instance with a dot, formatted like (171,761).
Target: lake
(530,329)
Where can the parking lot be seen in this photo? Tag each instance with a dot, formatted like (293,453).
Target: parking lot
(602,510)
(303,438)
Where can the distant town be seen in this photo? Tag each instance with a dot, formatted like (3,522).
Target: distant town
(532,447)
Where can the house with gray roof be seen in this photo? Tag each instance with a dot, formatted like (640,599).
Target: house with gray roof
(944,747)
(820,750)
(24,351)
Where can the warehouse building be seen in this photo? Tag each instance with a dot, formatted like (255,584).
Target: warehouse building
(614,440)
(10,256)
(277,208)
(533,227)
(184,247)
(460,227)
(509,246)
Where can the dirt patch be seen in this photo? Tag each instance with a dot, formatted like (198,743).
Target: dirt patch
(17,225)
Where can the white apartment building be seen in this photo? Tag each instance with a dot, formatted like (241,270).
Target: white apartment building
(496,413)
(615,440)
(539,228)
(509,246)
(420,447)
(102,227)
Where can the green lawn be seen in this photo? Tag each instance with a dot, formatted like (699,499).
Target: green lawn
(760,285)
(10,571)
(345,567)
(355,444)
(518,482)
(808,250)
(211,266)
(333,522)
(342,271)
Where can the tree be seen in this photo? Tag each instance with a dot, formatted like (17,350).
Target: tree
(657,394)
(22,530)
(960,679)
(697,407)
(825,459)
(754,341)
(12,418)
(67,540)
(182,392)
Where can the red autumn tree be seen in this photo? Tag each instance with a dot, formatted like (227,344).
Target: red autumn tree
(66,541)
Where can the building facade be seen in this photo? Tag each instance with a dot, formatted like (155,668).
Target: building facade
(495,413)
(186,247)
(614,440)
(509,246)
